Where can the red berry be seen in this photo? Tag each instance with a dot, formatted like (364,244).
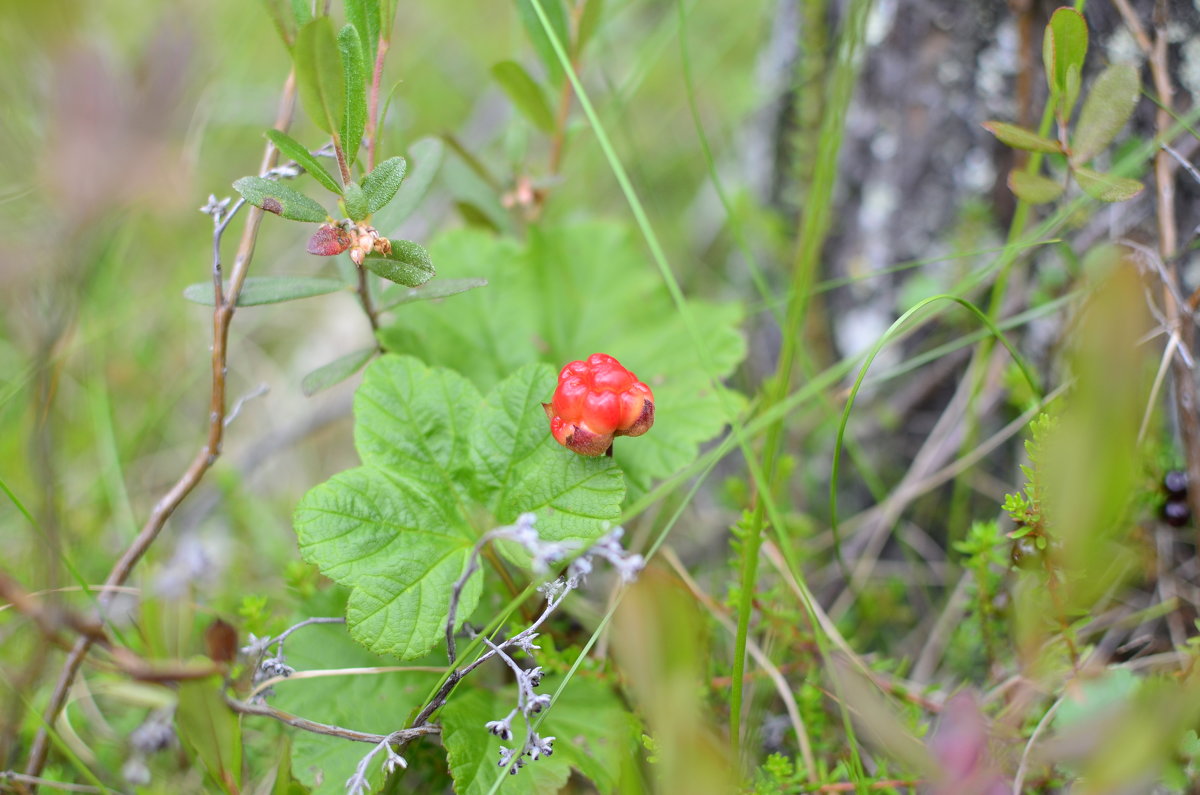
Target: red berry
(597,399)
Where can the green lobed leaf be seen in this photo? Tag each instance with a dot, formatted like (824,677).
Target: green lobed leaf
(280,199)
(319,74)
(355,201)
(1022,138)
(354,117)
(526,95)
(364,16)
(399,394)
(519,467)
(259,290)
(1034,188)
(1107,108)
(1063,49)
(570,292)
(383,182)
(336,371)
(557,15)
(367,703)
(1106,187)
(399,529)
(407,264)
(292,148)
(424,160)
(400,545)
(398,294)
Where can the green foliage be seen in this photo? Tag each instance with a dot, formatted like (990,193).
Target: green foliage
(1034,188)
(354,116)
(320,76)
(259,290)
(371,703)
(526,95)
(364,15)
(1107,108)
(336,371)
(279,199)
(1063,50)
(383,182)
(398,295)
(212,730)
(441,465)
(594,735)
(354,203)
(1022,138)
(570,292)
(557,14)
(1025,507)
(292,148)
(407,264)
(1106,187)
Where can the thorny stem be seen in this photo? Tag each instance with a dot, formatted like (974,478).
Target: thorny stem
(223,311)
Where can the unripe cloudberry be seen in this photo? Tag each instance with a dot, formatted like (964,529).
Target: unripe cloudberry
(597,399)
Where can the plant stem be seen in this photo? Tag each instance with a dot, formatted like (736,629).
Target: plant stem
(223,311)
(373,102)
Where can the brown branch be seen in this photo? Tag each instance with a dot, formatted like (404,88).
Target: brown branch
(223,313)
(296,722)
(558,142)
(373,103)
(364,295)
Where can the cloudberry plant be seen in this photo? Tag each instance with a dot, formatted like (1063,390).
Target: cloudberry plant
(596,400)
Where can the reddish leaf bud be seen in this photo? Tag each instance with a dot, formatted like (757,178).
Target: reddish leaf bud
(595,400)
(329,241)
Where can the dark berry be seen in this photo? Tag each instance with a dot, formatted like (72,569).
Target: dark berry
(1176,513)
(1175,482)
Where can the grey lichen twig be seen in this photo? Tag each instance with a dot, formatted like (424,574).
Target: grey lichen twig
(296,722)
(224,308)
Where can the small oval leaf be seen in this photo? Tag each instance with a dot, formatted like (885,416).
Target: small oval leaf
(319,74)
(1065,46)
(336,371)
(526,95)
(259,290)
(383,182)
(1107,108)
(396,295)
(355,201)
(1034,188)
(1022,138)
(279,199)
(407,264)
(329,241)
(1107,187)
(292,148)
(354,117)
